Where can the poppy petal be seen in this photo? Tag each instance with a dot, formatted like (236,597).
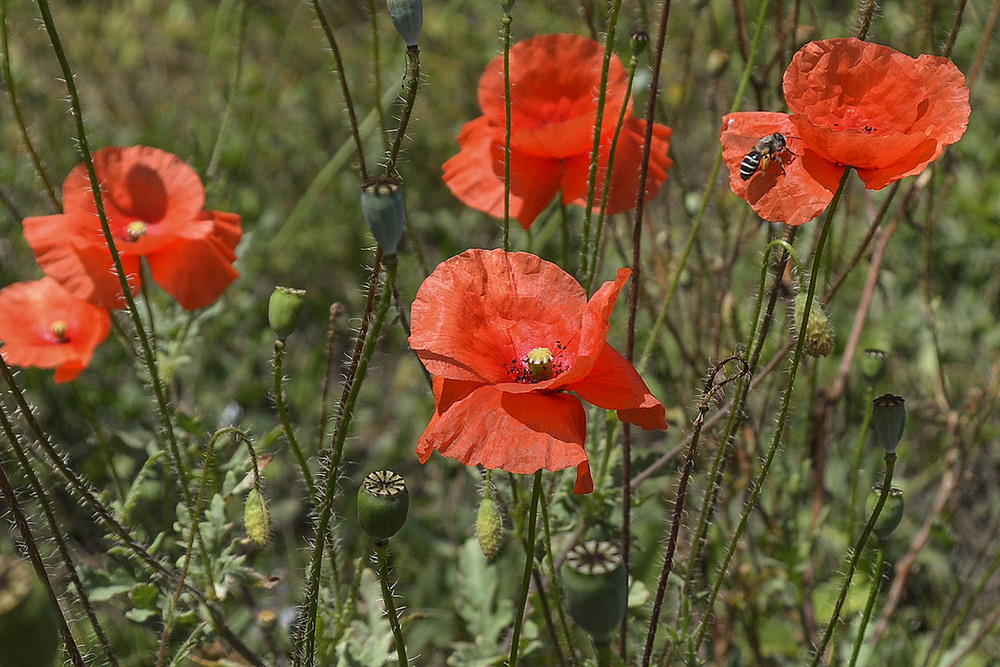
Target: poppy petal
(796,191)
(482,310)
(519,433)
(614,384)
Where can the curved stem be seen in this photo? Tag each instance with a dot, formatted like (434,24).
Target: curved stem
(381,551)
(529,562)
(413,79)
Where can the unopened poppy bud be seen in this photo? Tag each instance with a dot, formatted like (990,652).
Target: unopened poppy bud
(29,631)
(596,588)
(817,331)
(489,528)
(408,17)
(873,365)
(888,420)
(383,502)
(639,40)
(283,309)
(256,518)
(891,514)
(384,210)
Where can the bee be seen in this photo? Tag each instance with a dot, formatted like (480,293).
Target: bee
(763,152)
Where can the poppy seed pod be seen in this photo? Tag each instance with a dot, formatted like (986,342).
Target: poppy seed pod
(888,420)
(891,514)
(283,309)
(408,17)
(382,504)
(596,588)
(29,634)
(817,330)
(489,528)
(384,210)
(873,365)
(257,518)
(640,38)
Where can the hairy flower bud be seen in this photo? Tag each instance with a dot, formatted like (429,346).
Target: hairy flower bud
(596,588)
(408,17)
(817,331)
(29,632)
(489,528)
(257,518)
(283,309)
(891,514)
(384,210)
(383,502)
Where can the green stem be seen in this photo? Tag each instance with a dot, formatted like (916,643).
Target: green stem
(604,654)
(859,449)
(306,642)
(779,431)
(870,605)
(507,129)
(413,79)
(890,464)
(529,561)
(286,424)
(381,551)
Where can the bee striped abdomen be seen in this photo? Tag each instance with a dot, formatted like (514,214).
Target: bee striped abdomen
(750,164)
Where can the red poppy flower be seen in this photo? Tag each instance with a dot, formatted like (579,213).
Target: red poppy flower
(154,202)
(554,88)
(41,324)
(792,186)
(875,109)
(507,336)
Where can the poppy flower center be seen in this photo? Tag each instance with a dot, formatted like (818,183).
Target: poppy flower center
(58,328)
(537,365)
(558,111)
(135,230)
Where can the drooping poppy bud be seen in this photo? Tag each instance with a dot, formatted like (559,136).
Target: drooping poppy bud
(384,209)
(29,632)
(283,309)
(873,365)
(891,514)
(888,420)
(408,17)
(489,527)
(257,518)
(817,331)
(383,502)
(596,588)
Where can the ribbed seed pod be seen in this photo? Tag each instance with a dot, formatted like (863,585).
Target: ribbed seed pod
(383,502)
(596,585)
(408,17)
(283,309)
(384,209)
(29,631)
(888,420)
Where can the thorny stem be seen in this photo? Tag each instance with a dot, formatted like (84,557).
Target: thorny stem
(381,552)
(413,78)
(306,641)
(786,401)
(865,21)
(890,464)
(529,562)
(277,387)
(870,605)
(507,130)
(336,310)
(345,89)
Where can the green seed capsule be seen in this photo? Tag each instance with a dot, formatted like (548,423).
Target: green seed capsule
(256,518)
(408,17)
(596,588)
(873,365)
(489,528)
(283,309)
(29,631)
(384,210)
(888,421)
(891,514)
(383,502)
